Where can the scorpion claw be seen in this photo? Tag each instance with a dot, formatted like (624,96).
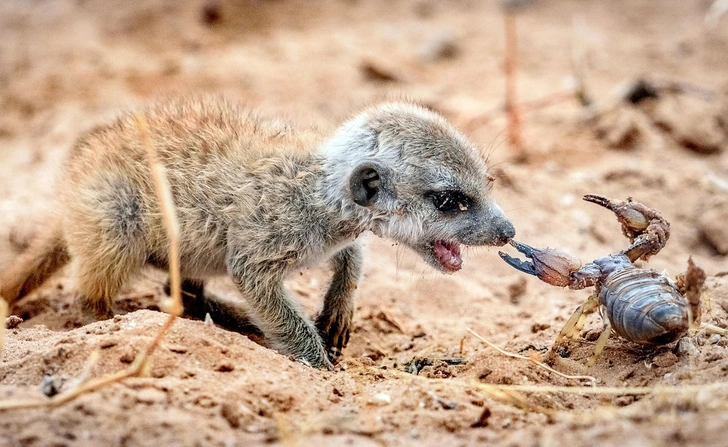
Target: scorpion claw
(522,266)
(634,216)
(551,266)
(527,250)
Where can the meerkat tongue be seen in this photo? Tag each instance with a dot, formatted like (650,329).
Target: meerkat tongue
(448,255)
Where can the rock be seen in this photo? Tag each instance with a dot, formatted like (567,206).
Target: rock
(127,354)
(713,226)
(686,347)
(377,72)
(13,321)
(225,366)
(382,398)
(230,410)
(150,396)
(693,122)
(665,360)
(621,129)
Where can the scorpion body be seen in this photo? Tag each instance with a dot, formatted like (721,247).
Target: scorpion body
(640,305)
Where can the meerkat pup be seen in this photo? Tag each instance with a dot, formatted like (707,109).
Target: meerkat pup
(257,199)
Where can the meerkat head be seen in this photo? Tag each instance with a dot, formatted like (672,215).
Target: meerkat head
(414,178)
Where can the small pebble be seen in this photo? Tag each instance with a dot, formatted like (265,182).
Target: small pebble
(109,342)
(685,346)
(231,412)
(382,398)
(225,366)
(13,321)
(665,360)
(51,385)
(151,396)
(178,349)
(127,354)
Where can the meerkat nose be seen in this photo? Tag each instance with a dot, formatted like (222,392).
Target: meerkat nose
(507,232)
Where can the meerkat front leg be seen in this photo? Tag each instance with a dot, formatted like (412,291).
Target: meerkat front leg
(334,321)
(282,322)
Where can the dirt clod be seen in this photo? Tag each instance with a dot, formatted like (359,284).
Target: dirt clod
(13,321)
(127,354)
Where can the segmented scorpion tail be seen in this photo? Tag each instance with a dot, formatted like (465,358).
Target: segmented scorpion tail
(600,200)
(645,227)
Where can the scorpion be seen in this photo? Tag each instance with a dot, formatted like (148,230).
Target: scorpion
(640,305)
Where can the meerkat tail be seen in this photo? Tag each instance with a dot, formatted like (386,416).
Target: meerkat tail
(45,255)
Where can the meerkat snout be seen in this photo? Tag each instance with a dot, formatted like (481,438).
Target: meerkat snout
(429,187)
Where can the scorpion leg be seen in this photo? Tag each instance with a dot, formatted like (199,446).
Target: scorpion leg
(645,227)
(601,342)
(576,322)
(590,305)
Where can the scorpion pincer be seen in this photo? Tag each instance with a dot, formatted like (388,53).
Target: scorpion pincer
(640,305)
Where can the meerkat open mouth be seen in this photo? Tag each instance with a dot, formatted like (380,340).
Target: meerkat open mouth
(448,255)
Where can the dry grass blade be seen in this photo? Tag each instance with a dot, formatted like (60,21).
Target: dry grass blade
(535,362)
(171,224)
(3,317)
(141,363)
(713,329)
(512,394)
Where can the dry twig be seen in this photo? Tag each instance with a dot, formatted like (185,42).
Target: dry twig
(510,68)
(3,316)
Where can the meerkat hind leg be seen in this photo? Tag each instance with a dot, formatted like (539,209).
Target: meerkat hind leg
(98,281)
(198,304)
(334,321)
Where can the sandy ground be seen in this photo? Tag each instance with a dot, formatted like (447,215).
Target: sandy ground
(68,65)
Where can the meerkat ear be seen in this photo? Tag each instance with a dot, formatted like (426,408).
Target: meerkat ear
(367,182)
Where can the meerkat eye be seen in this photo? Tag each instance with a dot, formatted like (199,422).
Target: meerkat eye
(450,202)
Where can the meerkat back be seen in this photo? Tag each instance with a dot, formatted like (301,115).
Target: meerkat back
(108,221)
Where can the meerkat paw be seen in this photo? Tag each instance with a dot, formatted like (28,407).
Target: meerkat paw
(92,311)
(308,351)
(334,330)
(318,362)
